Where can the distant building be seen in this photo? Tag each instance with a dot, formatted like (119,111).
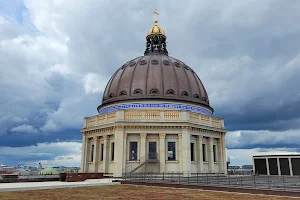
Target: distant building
(247,167)
(234,167)
(288,164)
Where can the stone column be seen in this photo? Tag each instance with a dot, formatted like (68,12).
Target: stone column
(162,152)
(220,155)
(143,147)
(211,163)
(224,155)
(186,151)
(105,153)
(291,167)
(96,153)
(119,147)
(278,167)
(267,164)
(125,155)
(179,155)
(199,154)
(83,153)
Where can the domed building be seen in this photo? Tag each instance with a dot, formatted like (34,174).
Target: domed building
(155,116)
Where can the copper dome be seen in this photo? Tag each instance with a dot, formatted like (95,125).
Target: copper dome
(155,76)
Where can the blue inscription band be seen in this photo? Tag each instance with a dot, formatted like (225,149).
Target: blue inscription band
(155,105)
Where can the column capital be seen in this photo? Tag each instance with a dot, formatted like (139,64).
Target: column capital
(162,135)
(105,137)
(119,128)
(143,135)
(185,128)
(95,138)
(180,135)
(200,137)
(125,135)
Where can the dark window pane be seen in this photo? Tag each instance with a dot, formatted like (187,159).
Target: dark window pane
(192,152)
(112,151)
(133,151)
(92,153)
(204,152)
(102,152)
(171,151)
(152,150)
(215,153)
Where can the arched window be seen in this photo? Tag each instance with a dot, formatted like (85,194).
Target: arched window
(185,93)
(154,91)
(111,95)
(196,96)
(137,91)
(170,91)
(123,93)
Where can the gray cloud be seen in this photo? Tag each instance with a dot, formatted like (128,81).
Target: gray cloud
(56,61)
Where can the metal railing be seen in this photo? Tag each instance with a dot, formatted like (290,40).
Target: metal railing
(28,178)
(217,179)
(149,157)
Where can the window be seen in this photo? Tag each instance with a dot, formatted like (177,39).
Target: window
(92,154)
(112,151)
(133,151)
(102,152)
(196,96)
(170,91)
(215,153)
(123,93)
(154,91)
(204,152)
(171,151)
(184,93)
(138,91)
(192,151)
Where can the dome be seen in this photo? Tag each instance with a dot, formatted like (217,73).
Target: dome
(156,30)
(48,171)
(155,76)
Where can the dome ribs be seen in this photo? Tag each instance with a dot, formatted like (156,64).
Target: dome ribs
(170,77)
(132,74)
(139,76)
(154,76)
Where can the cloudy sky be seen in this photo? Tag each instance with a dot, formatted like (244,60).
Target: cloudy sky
(56,57)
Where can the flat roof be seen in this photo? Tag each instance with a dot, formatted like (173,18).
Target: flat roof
(277,155)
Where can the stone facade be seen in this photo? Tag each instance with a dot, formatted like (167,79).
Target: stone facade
(175,140)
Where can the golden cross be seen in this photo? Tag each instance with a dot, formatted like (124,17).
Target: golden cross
(156,15)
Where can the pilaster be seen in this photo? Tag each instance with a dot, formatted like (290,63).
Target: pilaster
(186,151)
(119,147)
(162,152)
(96,153)
(200,153)
(211,163)
(83,153)
(143,145)
(105,153)
(125,155)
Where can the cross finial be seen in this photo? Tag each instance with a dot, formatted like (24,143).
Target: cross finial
(156,15)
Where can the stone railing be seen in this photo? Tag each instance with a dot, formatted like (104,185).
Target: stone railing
(154,115)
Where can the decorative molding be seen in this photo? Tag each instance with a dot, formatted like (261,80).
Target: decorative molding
(185,128)
(201,110)
(143,135)
(162,135)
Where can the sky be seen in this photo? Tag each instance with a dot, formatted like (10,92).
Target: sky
(56,57)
